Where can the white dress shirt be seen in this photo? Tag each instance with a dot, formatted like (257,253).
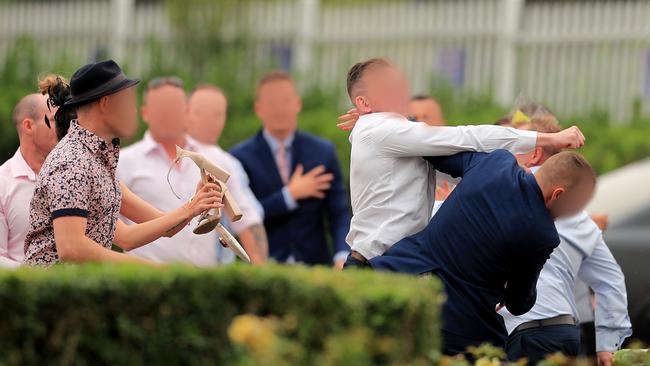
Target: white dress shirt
(583,254)
(17,184)
(143,168)
(392,188)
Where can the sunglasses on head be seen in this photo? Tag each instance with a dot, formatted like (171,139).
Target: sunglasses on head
(49,108)
(163,81)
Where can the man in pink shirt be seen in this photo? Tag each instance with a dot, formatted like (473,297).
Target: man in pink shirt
(18,174)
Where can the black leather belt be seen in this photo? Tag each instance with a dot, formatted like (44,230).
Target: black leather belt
(558,320)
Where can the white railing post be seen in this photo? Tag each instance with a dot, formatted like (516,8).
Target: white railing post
(303,55)
(506,51)
(121,11)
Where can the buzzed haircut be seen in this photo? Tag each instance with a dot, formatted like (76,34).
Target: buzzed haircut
(273,76)
(27,107)
(567,168)
(358,70)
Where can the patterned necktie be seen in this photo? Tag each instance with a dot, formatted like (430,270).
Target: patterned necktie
(281,160)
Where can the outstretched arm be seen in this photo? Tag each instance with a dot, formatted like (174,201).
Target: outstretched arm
(129,237)
(419,139)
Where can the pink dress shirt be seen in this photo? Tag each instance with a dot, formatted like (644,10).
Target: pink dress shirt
(17,183)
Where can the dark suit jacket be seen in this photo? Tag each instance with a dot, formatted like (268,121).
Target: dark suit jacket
(301,232)
(493,229)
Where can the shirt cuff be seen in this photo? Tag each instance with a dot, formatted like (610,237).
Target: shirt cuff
(288,200)
(526,142)
(610,340)
(341,255)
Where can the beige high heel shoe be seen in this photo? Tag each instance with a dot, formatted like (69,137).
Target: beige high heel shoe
(211,219)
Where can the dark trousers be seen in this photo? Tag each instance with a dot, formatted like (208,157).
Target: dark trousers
(536,343)
(354,263)
(453,344)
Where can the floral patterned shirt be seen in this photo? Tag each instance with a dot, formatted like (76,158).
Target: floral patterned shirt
(77,179)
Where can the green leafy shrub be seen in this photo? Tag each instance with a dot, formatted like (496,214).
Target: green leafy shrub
(240,315)
(632,357)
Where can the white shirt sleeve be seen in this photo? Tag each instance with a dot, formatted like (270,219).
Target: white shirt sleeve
(246,201)
(602,273)
(402,139)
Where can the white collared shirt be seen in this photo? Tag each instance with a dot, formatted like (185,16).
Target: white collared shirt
(143,168)
(17,184)
(392,188)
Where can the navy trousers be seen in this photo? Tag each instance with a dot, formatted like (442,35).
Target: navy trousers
(536,343)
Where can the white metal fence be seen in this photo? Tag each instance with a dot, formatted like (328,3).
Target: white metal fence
(573,55)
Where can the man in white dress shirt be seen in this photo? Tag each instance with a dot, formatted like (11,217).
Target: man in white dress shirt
(392,188)
(208,108)
(18,174)
(143,168)
(551,325)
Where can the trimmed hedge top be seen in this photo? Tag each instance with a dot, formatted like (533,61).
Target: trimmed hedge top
(235,314)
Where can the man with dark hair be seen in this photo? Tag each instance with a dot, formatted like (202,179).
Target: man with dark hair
(392,187)
(296,177)
(490,239)
(425,109)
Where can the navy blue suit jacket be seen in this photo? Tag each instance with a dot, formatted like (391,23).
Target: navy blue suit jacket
(300,232)
(487,243)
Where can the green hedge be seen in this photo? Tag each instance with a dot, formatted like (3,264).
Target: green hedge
(238,314)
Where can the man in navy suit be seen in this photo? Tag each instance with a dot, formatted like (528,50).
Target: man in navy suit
(491,237)
(297,179)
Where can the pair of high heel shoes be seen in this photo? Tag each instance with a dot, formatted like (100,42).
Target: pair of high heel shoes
(211,219)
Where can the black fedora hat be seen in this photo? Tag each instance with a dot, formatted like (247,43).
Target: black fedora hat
(97,80)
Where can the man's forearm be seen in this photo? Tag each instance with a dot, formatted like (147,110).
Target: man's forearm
(84,250)
(255,242)
(134,236)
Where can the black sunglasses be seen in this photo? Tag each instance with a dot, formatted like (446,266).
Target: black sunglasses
(49,108)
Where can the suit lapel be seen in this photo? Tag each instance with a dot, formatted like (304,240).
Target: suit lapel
(267,158)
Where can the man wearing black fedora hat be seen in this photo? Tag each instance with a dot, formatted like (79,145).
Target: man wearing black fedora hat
(76,203)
